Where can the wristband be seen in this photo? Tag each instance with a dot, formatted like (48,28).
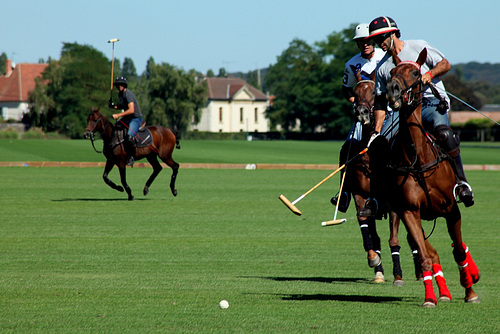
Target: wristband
(430,73)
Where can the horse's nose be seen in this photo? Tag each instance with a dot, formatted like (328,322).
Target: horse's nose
(86,135)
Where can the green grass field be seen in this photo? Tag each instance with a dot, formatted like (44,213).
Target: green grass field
(219,151)
(77,257)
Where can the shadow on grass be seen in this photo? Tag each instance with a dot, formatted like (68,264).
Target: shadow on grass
(314,279)
(97,199)
(345,298)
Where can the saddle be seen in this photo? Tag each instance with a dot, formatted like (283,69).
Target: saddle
(143,138)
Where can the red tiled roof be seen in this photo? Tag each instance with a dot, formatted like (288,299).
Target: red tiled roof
(20,82)
(225,88)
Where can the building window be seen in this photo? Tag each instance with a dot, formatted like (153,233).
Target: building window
(220,114)
(256,115)
(241,115)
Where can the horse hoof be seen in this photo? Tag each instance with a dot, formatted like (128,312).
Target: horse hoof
(444,299)
(379,277)
(398,282)
(174,192)
(429,304)
(120,189)
(473,300)
(131,198)
(145,191)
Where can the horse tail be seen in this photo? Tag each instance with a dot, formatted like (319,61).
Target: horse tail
(175,130)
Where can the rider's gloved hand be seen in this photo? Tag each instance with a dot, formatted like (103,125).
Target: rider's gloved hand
(111,105)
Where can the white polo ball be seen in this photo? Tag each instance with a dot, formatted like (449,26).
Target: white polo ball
(223,304)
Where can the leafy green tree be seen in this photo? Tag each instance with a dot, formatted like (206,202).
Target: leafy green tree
(129,70)
(175,96)
(3,58)
(462,90)
(306,81)
(69,88)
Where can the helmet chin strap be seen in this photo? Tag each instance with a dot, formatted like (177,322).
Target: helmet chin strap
(392,42)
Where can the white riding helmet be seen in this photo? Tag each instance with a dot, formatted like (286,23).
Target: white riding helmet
(362,31)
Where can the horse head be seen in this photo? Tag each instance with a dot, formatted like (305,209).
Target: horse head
(405,77)
(94,123)
(365,96)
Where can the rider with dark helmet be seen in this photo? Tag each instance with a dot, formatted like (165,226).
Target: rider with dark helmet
(131,115)
(385,33)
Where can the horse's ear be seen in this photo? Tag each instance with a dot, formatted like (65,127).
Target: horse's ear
(422,57)
(356,72)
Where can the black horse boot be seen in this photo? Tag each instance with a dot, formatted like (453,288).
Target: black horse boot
(130,149)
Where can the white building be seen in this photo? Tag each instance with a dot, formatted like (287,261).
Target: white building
(233,106)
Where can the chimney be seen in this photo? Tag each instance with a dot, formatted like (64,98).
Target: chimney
(8,67)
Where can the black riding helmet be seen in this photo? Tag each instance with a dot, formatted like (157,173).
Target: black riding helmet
(121,81)
(383,25)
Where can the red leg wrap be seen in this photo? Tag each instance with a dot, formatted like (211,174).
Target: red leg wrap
(474,271)
(441,282)
(429,291)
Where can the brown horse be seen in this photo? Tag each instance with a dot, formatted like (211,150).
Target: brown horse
(359,183)
(422,181)
(162,146)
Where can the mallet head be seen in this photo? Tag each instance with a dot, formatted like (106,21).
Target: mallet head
(333,222)
(289,204)
(113,40)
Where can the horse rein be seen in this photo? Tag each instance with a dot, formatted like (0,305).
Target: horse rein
(99,120)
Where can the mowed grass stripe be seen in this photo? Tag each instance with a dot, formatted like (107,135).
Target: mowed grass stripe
(78,257)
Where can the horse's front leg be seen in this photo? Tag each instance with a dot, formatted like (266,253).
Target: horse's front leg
(413,224)
(444,293)
(153,160)
(107,169)
(371,240)
(469,273)
(394,222)
(123,178)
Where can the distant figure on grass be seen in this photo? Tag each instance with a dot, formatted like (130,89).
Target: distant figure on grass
(131,116)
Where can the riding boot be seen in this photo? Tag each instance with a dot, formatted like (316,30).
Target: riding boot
(462,190)
(451,145)
(379,150)
(130,149)
(345,196)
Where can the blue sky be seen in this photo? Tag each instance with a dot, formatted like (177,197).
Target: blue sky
(237,35)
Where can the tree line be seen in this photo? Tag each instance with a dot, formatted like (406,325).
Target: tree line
(305,82)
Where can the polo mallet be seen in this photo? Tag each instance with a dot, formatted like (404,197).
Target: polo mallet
(112,41)
(336,221)
(291,205)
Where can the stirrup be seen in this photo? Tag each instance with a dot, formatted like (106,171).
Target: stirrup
(345,200)
(370,209)
(468,199)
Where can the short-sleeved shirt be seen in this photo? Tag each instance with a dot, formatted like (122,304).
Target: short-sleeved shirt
(365,66)
(410,52)
(128,97)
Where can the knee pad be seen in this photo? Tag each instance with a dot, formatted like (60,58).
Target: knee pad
(447,140)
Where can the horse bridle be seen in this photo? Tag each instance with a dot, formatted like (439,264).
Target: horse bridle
(407,94)
(363,102)
(104,127)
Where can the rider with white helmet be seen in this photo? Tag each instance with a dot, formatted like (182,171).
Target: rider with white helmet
(364,62)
